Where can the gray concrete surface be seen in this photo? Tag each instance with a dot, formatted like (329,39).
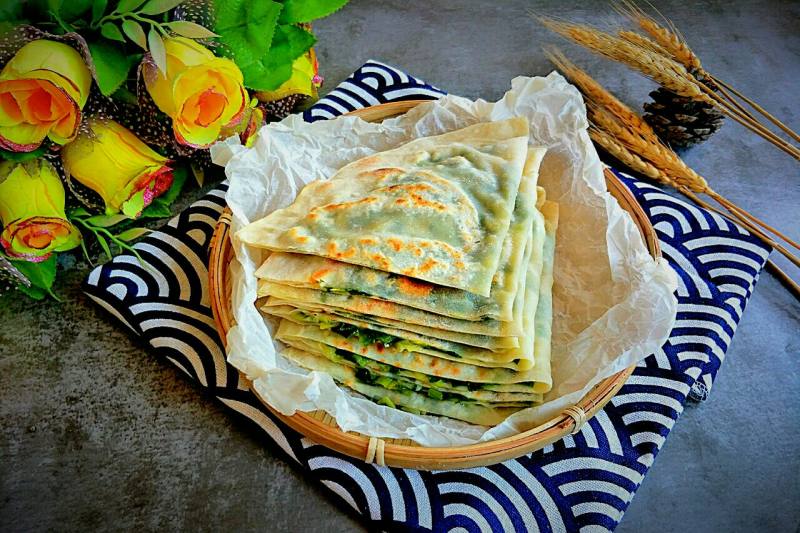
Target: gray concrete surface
(98,434)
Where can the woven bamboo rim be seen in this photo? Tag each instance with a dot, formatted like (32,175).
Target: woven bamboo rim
(321,427)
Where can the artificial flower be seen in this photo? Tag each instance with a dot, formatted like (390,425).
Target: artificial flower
(202,93)
(305,80)
(42,91)
(32,211)
(116,164)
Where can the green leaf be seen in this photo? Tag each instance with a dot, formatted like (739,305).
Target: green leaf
(106,221)
(64,25)
(295,11)
(34,293)
(132,234)
(154,7)
(134,205)
(78,212)
(111,65)
(126,6)
(135,32)
(54,5)
(103,244)
(124,95)
(191,30)
(157,50)
(98,10)
(156,210)
(267,74)
(19,157)
(247,28)
(10,11)
(41,274)
(74,9)
(110,31)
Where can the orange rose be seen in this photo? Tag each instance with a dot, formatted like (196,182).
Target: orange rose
(202,93)
(32,211)
(42,91)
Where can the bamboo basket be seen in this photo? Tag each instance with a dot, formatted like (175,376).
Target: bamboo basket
(321,427)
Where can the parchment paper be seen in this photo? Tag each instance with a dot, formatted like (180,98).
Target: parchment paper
(613,304)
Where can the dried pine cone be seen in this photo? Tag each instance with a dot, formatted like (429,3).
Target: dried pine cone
(680,121)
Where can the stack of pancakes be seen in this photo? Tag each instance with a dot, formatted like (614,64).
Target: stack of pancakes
(421,277)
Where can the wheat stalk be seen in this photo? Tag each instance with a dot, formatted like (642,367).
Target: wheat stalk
(625,136)
(644,42)
(595,92)
(667,40)
(663,70)
(676,47)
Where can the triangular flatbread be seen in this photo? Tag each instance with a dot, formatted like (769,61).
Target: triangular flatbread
(437,208)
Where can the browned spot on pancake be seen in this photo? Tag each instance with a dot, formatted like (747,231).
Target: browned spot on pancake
(350,252)
(367,240)
(366,162)
(330,249)
(295,234)
(383,173)
(397,244)
(414,288)
(428,264)
(311,216)
(420,201)
(318,275)
(380,260)
(459,265)
(349,205)
(410,187)
(400,201)
(417,252)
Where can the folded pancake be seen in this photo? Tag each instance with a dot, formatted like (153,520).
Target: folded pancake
(321,273)
(404,356)
(436,209)
(542,325)
(350,327)
(390,377)
(408,400)
(381,308)
(322,313)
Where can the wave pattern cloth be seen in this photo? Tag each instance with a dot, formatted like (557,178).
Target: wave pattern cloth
(583,482)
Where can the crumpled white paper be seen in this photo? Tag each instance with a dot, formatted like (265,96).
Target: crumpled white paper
(613,303)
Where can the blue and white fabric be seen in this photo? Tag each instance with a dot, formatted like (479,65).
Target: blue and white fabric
(583,482)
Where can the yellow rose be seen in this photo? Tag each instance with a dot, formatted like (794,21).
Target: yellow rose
(305,80)
(42,91)
(32,211)
(112,161)
(202,93)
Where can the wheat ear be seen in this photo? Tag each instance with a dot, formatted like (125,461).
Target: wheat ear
(663,70)
(631,160)
(678,49)
(624,135)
